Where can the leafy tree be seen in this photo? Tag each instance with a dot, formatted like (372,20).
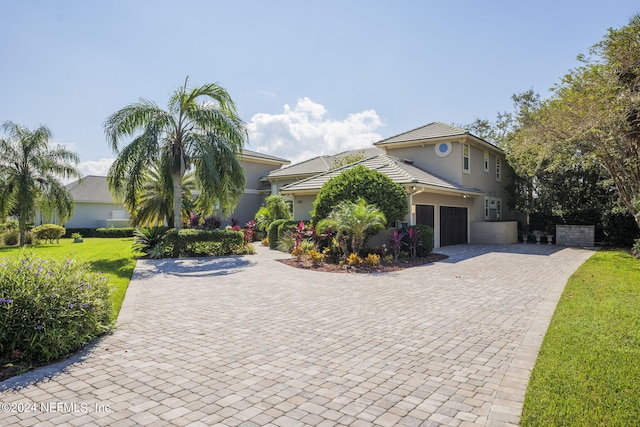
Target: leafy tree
(360,182)
(276,207)
(200,129)
(155,199)
(347,159)
(354,222)
(594,113)
(30,172)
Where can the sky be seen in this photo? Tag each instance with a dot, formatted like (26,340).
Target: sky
(308,77)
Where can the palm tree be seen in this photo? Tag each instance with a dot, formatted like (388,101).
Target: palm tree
(275,207)
(155,201)
(29,174)
(201,130)
(356,221)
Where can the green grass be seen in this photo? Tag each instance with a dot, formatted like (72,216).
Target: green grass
(112,257)
(588,369)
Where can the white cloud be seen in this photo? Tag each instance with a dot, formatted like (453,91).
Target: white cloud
(96,167)
(304,131)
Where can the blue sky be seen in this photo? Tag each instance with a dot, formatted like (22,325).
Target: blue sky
(309,78)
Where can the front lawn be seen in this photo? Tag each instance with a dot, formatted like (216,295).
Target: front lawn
(588,369)
(112,257)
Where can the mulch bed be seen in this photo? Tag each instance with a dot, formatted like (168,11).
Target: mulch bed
(383,268)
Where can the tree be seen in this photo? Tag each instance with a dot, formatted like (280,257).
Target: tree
(30,172)
(155,200)
(595,113)
(360,182)
(276,207)
(200,130)
(354,222)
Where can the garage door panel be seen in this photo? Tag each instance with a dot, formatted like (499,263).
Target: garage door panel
(453,225)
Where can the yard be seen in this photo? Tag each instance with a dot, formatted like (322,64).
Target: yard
(588,367)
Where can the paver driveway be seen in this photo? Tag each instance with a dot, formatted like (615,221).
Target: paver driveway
(249,341)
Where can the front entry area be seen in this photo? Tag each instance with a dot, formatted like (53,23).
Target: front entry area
(452,223)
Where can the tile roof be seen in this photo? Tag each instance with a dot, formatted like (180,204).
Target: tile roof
(91,188)
(394,168)
(430,131)
(250,153)
(320,164)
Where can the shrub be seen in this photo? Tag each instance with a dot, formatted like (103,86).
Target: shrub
(360,182)
(49,308)
(49,232)
(86,232)
(249,249)
(635,249)
(287,241)
(354,260)
(113,232)
(9,225)
(272,233)
(372,260)
(315,257)
(265,241)
(190,242)
(425,239)
(148,240)
(11,238)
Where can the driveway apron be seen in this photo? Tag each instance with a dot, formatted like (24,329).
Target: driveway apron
(249,341)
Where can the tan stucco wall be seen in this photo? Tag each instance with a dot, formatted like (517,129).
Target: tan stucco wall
(425,158)
(494,233)
(302,206)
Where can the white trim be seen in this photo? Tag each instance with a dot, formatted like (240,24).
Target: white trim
(467,157)
(486,161)
(446,144)
(498,169)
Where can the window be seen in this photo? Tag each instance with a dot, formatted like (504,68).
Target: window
(117,215)
(466,166)
(443,149)
(486,208)
(498,209)
(498,169)
(486,161)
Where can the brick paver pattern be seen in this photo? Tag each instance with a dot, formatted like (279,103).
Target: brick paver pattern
(248,341)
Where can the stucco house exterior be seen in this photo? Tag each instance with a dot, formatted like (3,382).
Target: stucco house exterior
(95,206)
(455,182)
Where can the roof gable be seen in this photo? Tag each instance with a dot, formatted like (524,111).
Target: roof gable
(320,164)
(431,131)
(91,188)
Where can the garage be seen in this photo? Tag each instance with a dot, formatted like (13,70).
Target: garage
(453,225)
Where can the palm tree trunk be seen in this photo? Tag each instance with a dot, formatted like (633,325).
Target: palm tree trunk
(177,199)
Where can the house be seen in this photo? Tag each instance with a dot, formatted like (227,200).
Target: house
(308,168)
(94,205)
(257,167)
(455,182)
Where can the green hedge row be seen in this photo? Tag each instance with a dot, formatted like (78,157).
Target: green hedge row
(110,232)
(191,242)
(272,232)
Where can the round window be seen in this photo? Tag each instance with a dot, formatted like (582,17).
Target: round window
(443,149)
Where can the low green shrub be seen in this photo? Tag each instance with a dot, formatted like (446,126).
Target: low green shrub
(11,238)
(191,242)
(10,225)
(150,241)
(85,232)
(635,249)
(113,232)
(49,308)
(425,240)
(49,232)
(272,232)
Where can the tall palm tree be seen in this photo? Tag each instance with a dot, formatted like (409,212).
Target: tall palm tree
(30,172)
(355,221)
(155,201)
(201,130)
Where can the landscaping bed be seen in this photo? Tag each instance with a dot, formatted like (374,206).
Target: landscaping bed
(401,264)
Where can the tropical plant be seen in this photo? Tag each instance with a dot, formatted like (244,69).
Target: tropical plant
(30,173)
(201,130)
(275,207)
(146,240)
(354,222)
(360,182)
(155,198)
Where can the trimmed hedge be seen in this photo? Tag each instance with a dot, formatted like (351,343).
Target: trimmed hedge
(115,232)
(192,242)
(273,232)
(48,232)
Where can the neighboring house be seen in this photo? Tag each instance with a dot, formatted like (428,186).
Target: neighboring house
(94,206)
(257,167)
(455,182)
(308,168)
